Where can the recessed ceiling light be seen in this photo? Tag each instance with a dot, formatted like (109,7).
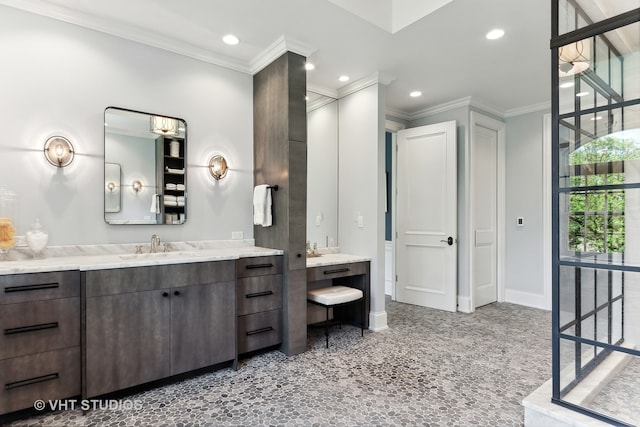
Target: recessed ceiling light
(309,66)
(343,78)
(230,39)
(495,34)
(566,85)
(582,93)
(415,94)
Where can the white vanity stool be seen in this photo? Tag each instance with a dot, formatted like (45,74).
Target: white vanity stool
(334,296)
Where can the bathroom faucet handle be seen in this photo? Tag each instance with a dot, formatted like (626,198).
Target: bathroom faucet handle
(166,247)
(138,249)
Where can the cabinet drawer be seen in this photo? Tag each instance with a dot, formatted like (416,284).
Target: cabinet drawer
(260,330)
(16,288)
(46,376)
(338,270)
(37,326)
(137,279)
(259,293)
(259,266)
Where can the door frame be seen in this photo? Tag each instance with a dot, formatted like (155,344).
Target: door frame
(479,119)
(393,127)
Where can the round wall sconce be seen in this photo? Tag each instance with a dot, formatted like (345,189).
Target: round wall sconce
(137,185)
(111,185)
(218,167)
(58,151)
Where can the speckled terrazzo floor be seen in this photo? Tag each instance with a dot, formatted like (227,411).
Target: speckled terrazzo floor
(429,368)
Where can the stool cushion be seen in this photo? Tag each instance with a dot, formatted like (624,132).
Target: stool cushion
(333,295)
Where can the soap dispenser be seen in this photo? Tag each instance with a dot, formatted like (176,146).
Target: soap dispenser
(36,237)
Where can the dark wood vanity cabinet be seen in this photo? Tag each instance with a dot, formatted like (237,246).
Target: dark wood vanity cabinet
(259,302)
(40,341)
(142,324)
(353,274)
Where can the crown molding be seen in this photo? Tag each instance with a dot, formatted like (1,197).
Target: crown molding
(277,49)
(151,38)
(528,109)
(365,82)
(331,93)
(468,102)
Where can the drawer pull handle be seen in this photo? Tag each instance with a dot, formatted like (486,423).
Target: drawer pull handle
(254,266)
(260,331)
(339,270)
(32,328)
(30,381)
(26,288)
(259,294)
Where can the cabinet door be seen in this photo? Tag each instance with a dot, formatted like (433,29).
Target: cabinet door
(202,325)
(127,340)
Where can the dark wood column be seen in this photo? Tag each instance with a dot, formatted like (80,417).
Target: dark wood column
(280,158)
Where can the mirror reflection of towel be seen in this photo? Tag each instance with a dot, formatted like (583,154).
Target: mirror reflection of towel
(155,205)
(262,206)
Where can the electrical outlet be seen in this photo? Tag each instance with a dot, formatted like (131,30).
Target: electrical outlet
(237,235)
(520,221)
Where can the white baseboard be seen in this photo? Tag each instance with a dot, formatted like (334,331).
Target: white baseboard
(378,321)
(464,305)
(527,299)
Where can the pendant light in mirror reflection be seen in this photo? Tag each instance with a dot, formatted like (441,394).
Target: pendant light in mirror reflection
(164,126)
(574,57)
(58,151)
(218,167)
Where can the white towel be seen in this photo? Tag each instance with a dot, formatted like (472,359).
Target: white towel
(262,206)
(155,206)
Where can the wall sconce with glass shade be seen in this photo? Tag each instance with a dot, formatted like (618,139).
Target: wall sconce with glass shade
(218,167)
(58,151)
(164,126)
(574,57)
(111,186)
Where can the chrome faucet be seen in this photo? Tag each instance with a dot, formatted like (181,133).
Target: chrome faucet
(155,242)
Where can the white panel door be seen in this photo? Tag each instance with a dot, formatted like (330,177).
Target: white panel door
(484,184)
(426,216)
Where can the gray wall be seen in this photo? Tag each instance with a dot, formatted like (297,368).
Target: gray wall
(524,198)
(361,154)
(58,79)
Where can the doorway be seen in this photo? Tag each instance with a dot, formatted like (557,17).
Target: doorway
(426,216)
(486,209)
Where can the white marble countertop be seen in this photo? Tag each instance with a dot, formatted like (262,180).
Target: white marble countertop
(335,258)
(84,260)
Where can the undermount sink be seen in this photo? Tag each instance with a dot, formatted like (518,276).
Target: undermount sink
(154,255)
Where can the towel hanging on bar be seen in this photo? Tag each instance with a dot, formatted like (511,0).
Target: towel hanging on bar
(262,206)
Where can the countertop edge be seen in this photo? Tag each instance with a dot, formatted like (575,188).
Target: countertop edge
(113,261)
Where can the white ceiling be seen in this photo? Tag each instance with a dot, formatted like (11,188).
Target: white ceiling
(443,54)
